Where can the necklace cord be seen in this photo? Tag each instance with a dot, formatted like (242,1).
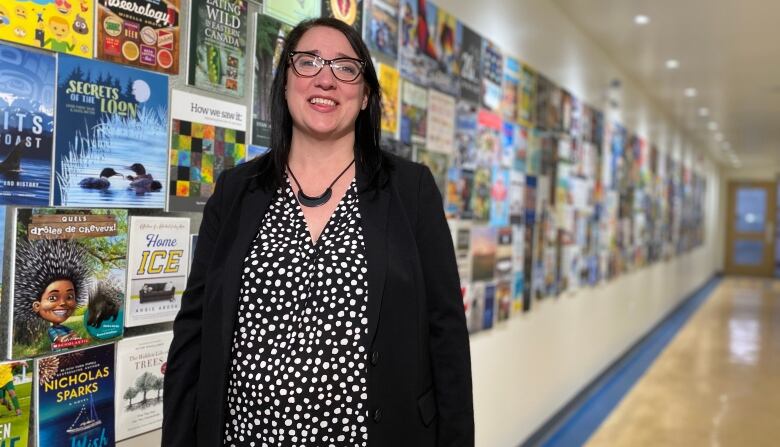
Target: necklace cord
(331,184)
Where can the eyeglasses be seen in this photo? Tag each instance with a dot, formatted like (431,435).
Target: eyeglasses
(307,65)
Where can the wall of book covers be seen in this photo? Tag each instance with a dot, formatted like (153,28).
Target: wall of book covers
(116,117)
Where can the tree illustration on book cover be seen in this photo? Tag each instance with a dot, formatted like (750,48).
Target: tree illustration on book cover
(68,287)
(75,404)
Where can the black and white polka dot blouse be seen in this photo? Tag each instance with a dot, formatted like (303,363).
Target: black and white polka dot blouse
(298,370)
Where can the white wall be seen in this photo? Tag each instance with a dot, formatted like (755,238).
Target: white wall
(527,369)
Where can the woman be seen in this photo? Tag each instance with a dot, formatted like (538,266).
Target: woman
(323,305)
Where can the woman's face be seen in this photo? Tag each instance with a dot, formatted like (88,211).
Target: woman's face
(322,106)
(57,302)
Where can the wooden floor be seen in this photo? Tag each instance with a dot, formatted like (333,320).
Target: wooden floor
(716,384)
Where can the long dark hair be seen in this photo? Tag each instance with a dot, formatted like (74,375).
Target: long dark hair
(368,154)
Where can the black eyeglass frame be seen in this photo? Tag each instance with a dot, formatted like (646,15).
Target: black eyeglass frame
(328,62)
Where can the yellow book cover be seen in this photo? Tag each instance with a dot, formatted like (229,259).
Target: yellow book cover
(389,80)
(58,25)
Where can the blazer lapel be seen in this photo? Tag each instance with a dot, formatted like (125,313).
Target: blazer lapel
(251,209)
(373,205)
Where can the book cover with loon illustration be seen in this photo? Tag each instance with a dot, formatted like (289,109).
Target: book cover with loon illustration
(111,144)
(67,280)
(75,405)
(158,260)
(26,125)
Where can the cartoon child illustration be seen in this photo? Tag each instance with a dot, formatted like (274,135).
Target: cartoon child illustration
(52,278)
(59,28)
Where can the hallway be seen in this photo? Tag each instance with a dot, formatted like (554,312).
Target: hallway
(716,383)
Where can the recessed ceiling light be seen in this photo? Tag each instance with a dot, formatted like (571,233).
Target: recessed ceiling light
(641,19)
(704,112)
(718,137)
(672,64)
(712,125)
(690,92)
(726,146)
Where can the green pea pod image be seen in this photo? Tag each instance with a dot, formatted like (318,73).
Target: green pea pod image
(213,64)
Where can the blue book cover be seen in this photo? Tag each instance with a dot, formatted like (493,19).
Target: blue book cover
(75,405)
(111,147)
(27,82)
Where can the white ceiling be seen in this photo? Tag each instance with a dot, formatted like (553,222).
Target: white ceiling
(728,50)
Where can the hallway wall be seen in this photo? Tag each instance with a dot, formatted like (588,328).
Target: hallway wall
(528,368)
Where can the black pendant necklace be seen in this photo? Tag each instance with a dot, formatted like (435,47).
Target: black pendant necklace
(321,199)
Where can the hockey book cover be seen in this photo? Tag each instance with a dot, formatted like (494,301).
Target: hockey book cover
(27,82)
(111,145)
(158,259)
(140,369)
(16,379)
(142,33)
(68,279)
(57,25)
(75,405)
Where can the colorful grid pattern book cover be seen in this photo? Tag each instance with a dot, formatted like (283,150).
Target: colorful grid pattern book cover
(16,381)
(112,128)
(218,35)
(27,81)
(140,369)
(68,279)
(158,259)
(63,26)
(207,137)
(143,33)
(75,405)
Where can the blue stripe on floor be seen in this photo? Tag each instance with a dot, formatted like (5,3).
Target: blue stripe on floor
(581,421)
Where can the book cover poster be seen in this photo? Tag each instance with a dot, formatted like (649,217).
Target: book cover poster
(466,134)
(414,61)
(269,41)
(27,82)
(442,49)
(207,137)
(76,398)
(509,141)
(348,11)
(110,144)
(292,12)
(218,34)
(492,75)
(157,263)
(16,380)
(438,164)
(414,110)
(483,252)
(453,200)
(476,307)
(140,369)
(56,25)
(504,248)
(469,60)
(510,88)
(516,196)
(480,196)
(441,122)
(142,33)
(489,310)
(499,195)
(488,138)
(526,92)
(381,28)
(503,300)
(389,83)
(68,279)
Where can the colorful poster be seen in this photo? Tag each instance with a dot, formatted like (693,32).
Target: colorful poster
(381,28)
(157,264)
(414,110)
(397,147)
(292,12)
(461,239)
(68,279)
(492,75)
(140,369)
(499,195)
(218,34)
(269,41)
(207,137)
(469,60)
(509,140)
(75,405)
(27,81)
(466,134)
(516,196)
(441,122)
(509,90)
(414,60)
(389,81)
(16,378)
(504,253)
(483,252)
(476,303)
(488,138)
(503,300)
(453,200)
(480,195)
(143,33)
(438,164)
(55,25)
(348,11)
(526,92)
(442,49)
(112,124)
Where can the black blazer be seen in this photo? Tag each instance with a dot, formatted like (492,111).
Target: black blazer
(419,376)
